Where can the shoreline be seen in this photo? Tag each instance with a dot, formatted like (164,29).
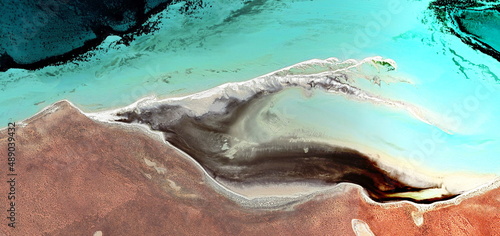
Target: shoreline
(274,202)
(230,191)
(305,75)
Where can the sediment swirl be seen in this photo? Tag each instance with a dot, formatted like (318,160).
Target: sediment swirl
(202,126)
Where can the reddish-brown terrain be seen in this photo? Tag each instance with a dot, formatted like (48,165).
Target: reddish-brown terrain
(77,177)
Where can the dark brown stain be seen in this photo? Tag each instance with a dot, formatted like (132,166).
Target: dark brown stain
(278,161)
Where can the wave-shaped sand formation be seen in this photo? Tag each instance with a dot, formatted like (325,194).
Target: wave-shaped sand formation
(212,127)
(331,75)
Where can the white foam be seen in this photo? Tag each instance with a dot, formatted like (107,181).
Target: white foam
(330,75)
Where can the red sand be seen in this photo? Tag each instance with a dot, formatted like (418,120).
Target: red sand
(77,176)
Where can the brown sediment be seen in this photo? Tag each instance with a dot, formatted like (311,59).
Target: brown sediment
(277,161)
(77,176)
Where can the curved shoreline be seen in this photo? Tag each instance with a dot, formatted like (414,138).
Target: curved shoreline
(138,181)
(278,201)
(219,108)
(287,202)
(330,75)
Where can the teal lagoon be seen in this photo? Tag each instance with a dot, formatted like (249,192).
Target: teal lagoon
(236,41)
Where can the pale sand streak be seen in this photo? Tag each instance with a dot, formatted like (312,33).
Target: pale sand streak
(333,76)
(279,201)
(361,228)
(276,81)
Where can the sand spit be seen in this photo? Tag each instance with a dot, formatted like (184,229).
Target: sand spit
(211,127)
(331,75)
(77,177)
(218,108)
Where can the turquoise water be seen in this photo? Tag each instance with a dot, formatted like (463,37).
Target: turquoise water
(236,42)
(484,25)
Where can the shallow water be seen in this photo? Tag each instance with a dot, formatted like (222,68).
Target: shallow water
(235,41)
